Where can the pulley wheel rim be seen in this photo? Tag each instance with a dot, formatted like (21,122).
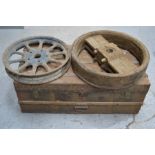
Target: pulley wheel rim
(82,68)
(34,55)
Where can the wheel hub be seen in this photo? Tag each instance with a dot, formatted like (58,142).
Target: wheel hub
(37,57)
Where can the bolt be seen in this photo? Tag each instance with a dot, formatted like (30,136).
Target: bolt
(103,60)
(95,51)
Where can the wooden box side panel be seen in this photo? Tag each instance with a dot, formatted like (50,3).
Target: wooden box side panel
(81,93)
(74,108)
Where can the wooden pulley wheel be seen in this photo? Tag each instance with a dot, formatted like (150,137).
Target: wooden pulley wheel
(108,59)
(36,60)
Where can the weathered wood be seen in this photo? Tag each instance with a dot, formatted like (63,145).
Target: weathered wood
(123,59)
(116,58)
(83,108)
(71,88)
(42,59)
(68,92)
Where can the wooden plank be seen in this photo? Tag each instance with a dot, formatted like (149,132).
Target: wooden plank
(73,89)
(117,59)
(74,103)
(82,108)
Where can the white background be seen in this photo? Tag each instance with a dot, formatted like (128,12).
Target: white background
(77,142)
(75,13)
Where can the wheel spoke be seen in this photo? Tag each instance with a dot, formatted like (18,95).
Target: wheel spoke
(57,53)
(46,67)
(34,69)
(50,49)
(30,49)
(56,61)
(40,45)
(23,67)
(19,53)
(16,60)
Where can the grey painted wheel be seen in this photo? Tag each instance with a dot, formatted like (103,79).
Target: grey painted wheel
(36,60)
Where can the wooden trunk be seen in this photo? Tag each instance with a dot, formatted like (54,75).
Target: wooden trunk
(69,94)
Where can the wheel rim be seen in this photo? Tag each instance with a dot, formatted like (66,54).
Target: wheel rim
(105,79)
(36,59)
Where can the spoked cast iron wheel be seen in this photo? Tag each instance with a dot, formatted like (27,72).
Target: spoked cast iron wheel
(36,60)
(108,59)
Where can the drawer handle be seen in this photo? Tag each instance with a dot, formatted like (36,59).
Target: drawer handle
(81,108)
